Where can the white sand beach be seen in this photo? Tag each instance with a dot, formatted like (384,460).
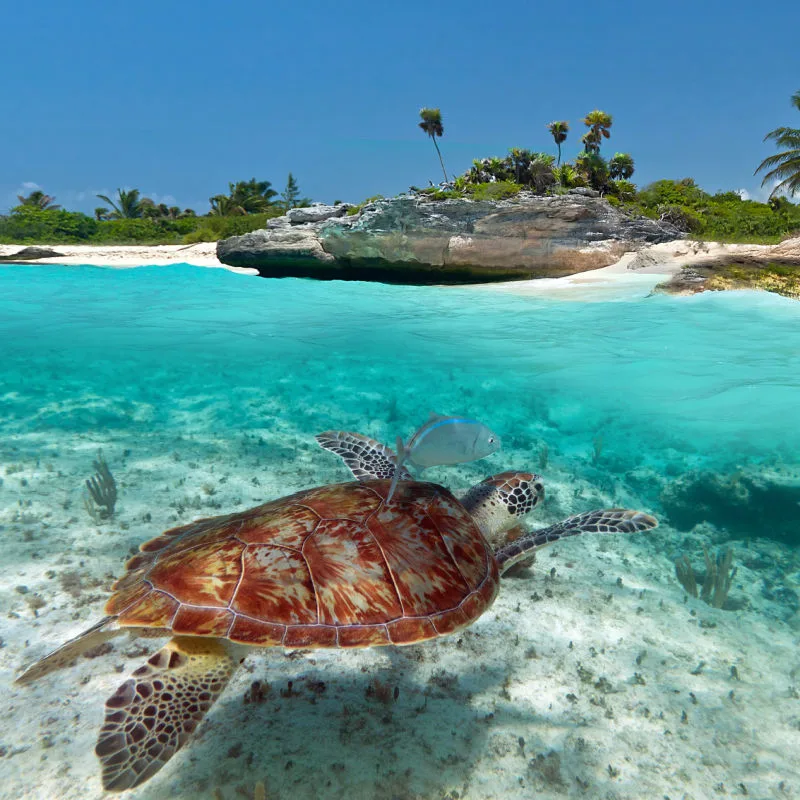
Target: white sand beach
(638,273)
(203,254)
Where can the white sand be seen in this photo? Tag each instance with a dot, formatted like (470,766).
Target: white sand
(637,274)
(203,254)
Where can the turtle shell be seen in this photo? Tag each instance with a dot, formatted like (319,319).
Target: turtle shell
(335,566)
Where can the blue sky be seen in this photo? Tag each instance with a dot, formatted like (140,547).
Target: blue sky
(178,98)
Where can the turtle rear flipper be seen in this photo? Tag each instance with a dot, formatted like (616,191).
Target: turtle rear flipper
(364,457)
(153,714)
(603,520)
(70,650)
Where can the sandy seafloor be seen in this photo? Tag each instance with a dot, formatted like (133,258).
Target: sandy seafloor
(593,675)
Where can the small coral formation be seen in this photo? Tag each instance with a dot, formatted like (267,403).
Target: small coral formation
(716,582)
(102,491)
(747,504)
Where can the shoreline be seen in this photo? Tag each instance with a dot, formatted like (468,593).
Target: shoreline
(126,256)
(681,267)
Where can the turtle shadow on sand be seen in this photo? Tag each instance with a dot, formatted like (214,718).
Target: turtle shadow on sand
(374,732)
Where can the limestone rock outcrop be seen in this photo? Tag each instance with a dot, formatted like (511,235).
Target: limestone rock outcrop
(411,239)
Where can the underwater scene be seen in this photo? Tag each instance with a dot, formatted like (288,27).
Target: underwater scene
(661,663)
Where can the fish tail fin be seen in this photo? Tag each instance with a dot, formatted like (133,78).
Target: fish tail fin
(402,454)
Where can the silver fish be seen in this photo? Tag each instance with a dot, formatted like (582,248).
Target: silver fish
(445,440)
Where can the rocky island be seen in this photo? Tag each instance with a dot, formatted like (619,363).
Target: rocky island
(411,239)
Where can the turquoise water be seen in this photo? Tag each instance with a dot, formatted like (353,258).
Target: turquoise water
(714,378)
(684,407)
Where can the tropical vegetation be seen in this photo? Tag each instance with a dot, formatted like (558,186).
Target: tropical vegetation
(38,200)
(128,218)
(783,168)
(725,216)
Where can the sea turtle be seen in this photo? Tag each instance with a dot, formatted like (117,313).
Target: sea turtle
(333,566)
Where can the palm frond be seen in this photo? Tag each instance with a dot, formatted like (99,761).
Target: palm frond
(778,158)
(787,168)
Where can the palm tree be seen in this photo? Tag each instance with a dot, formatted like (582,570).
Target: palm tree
(621,166)
(39,200)
(785,166)
(598,123)
(559,131)
(248,197)
(128,205)
(101,214)
(520,160)
(540,172)
(432,125)
(594,168)
(224,206)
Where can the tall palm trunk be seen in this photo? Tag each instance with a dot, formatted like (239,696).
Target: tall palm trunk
(558,164)
(440,157)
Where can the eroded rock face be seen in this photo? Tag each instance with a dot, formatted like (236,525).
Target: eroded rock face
(412,240)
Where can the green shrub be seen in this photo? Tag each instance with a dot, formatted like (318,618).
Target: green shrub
(212,228)
(441,194)
(622,189)
(144,231)
(353,210)
(722,217)
(29,225)
(568,177)
(683,218)
(499,190)
(674,193)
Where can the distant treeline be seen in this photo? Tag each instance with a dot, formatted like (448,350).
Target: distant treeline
(132,219)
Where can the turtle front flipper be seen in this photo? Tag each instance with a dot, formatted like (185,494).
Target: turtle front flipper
(153,714)
(604,520)
(70,650)
(364,457)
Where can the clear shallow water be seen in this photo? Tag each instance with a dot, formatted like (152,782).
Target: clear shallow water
(716,376)
(179,371)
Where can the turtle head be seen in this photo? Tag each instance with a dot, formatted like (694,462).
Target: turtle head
(498,503)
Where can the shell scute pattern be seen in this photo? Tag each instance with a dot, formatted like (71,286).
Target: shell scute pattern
(330,502)
(202,621)
(154,610)
(353,583)
(426,577)
(276,585)
(468,551)
(334,566)
(287,526)
(206,575)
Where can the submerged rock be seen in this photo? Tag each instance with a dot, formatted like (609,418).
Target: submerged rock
(745,504)
(410,239)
